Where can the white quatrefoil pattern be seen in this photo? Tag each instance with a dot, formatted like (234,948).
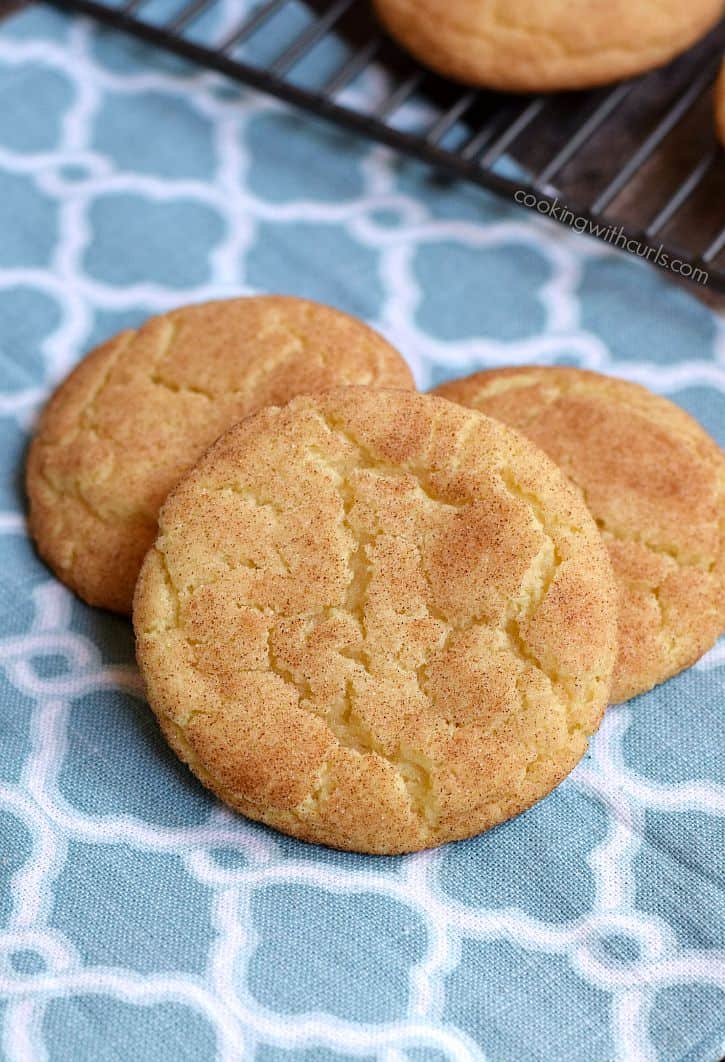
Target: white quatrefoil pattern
(139,919)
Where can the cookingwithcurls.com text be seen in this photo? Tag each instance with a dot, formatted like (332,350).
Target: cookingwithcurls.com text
(615,235)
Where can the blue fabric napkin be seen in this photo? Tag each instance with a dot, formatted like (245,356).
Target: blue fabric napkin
(141,920)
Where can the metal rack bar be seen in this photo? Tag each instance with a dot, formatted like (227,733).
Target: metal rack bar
(398,97)
(649,145)
(309,38)
(187,15)
(584,133)
(251,24)
(505,125)
(476,143)
(713,250)
(681,194)
(351,68)
(509,135)
(449,118)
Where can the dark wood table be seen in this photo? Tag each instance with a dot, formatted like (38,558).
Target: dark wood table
(639,191)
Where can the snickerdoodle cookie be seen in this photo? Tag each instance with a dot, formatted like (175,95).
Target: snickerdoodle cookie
(720,105)
(655,484)
(136,414)
(376,620)
(546,45)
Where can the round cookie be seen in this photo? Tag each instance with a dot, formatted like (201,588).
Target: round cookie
(376,620)
(137,412)
(546,45)
(720,105)
(655,484)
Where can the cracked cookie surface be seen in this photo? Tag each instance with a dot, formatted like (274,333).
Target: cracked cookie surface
(546,45)
(654,481)
(138,411)
(376,620)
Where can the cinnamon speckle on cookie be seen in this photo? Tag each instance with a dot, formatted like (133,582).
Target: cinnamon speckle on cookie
(138,411)
(655,483)
(376,620)
(546,45)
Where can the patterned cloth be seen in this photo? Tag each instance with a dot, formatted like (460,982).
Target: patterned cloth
(139,919)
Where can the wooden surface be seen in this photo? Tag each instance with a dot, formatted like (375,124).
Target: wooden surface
(8,6)
(642,197)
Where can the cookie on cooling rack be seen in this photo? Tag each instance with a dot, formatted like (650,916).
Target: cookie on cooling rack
(137,412)
(540,46)
(655,484)
(376,620)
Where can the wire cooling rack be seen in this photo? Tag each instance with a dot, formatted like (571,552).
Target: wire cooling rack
(636,164)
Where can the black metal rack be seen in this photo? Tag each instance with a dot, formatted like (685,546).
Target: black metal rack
(639,159)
